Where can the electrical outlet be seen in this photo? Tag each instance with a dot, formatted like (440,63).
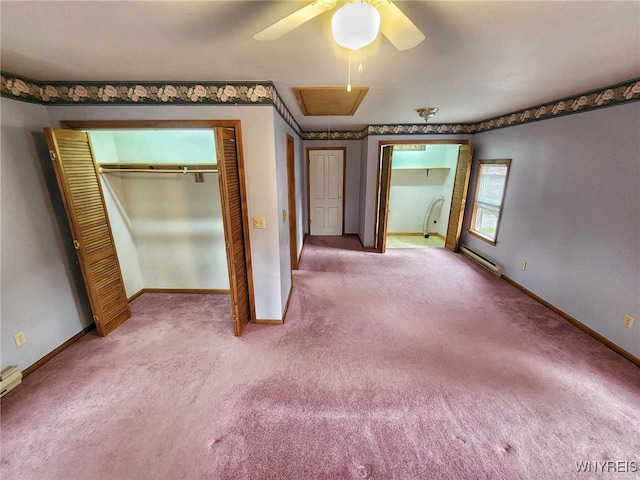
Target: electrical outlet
(628,321)
(523,265)
(258,222)
(20,339)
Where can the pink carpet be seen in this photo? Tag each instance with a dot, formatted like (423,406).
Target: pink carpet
(416,364)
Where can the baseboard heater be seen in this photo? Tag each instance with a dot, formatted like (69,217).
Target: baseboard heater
(482,259)
(10,378)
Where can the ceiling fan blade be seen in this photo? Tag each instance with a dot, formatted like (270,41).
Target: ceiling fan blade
(397,27)
(294,20)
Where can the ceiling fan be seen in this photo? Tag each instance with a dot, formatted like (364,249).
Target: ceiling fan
(394,24)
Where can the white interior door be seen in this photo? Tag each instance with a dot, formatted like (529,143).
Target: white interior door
(326,184)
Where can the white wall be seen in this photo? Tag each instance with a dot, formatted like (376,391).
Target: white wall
(281,128)
(410,195)
(165,146)
(104,146)
(572,212)
(352,179)
(433,156)
(369,176)
(259,159)
(178,230)
(115,189)
(42,290)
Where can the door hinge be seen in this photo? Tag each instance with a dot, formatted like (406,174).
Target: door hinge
(235,318)
(52,154)
(76,244)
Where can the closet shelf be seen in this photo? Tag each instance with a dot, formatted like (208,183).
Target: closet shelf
(158,168)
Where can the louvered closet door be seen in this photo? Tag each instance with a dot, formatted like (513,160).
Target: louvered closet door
(79,185)
(383,206)
(235,215)
(459,197)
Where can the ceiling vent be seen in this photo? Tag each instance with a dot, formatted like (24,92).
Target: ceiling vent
(332,101)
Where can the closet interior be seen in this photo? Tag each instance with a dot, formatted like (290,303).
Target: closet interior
(422,176)
(163,200)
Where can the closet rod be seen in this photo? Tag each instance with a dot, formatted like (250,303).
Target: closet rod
(149,170)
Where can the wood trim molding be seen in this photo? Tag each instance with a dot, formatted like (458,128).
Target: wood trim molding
(32,368)
(381,143)
(268,321)
(364,249)
(415,234)
(605,341)
(187,290)
(213,291)
(117,124)
(286,305)
(135,295)
(407,234)
(481,162)
(291,200)
(244,211)
(481,237)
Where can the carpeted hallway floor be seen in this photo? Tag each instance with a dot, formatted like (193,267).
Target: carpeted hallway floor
(416,364)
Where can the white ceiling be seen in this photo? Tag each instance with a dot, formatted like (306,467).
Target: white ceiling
(479,60)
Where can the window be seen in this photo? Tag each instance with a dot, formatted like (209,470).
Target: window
(487,204)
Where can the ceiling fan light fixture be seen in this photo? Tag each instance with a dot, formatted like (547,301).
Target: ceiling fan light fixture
(355,25)
(427,112)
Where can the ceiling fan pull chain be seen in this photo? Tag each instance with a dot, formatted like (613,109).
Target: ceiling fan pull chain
(349,75)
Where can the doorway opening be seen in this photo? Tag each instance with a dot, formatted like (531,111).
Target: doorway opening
(421,192)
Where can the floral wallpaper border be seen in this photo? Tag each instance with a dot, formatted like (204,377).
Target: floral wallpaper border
(337,135)
(158,93)
(265,93)
(605,97)
(75,93)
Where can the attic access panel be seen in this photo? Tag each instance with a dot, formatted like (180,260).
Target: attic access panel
(334,101)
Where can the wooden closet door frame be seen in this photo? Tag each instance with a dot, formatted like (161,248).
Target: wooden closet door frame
(382,214)
(386,157)
(186,125)
(291,200)
(459,197)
